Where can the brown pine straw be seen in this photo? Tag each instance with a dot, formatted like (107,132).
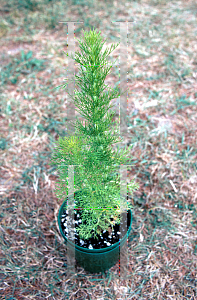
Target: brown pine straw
(162,122)
(161,257)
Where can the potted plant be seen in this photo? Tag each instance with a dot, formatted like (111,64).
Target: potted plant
(97,181)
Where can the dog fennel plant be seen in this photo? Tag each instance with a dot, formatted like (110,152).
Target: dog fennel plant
(90,150)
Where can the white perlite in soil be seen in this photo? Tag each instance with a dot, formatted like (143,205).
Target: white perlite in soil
(104,240)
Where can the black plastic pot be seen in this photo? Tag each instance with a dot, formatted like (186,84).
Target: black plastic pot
(96,260)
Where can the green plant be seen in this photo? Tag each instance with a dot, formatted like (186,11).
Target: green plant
(90,150)
(31,5)
(25,64)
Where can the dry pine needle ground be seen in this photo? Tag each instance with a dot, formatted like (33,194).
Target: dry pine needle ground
(162,122)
